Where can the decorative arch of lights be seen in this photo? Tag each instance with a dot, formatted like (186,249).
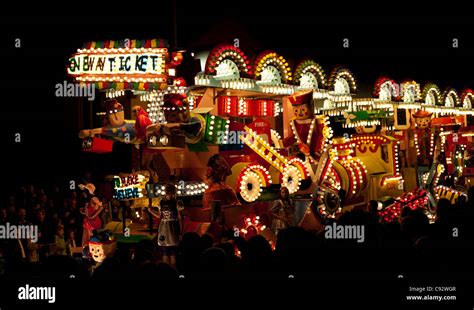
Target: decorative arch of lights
(271,68)
(386,89)
(451,98)
(310,75)
(431,95)
(342,81)
(467,98)
(410,91)
(224,59)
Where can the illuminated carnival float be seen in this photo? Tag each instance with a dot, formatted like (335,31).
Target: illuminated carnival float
(275,127)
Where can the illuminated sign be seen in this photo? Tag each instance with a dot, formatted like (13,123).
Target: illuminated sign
(119,65)
(131,186)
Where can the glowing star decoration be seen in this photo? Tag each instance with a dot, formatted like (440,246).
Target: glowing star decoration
(119,64)
(102,245)
(130,186)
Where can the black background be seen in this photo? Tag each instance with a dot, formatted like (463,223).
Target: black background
(401,47)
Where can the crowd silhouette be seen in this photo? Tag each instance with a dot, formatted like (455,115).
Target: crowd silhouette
(409,243)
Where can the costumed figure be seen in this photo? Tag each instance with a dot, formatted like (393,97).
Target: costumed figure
(169,230)
(116,127)
(142,121)
(180,121)
(424,138)
(304,125)
(218,191)
(283,211)
(307,134)
(91,213)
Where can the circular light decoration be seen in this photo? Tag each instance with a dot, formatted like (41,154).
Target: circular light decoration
(250,186)
(467,98)
(268,63)
(301,165)
(251,182)
(386,89)
(310,75)
(451,98)
(228,70)
(164,140)
(431,95)
(291,178)
(270,75)
(410,91)
(342,81)
(224,57)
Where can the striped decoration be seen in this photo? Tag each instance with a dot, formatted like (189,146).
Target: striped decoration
(128,86)
(155,43)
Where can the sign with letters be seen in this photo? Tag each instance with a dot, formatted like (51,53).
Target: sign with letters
(119,65)
(130,186)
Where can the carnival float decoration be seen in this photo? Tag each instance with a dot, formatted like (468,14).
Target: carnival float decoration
(338,150)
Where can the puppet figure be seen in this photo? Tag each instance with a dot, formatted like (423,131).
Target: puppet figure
(142,121)
(102,244)
(116,127)
(306,130)
(424,138)
(180,121)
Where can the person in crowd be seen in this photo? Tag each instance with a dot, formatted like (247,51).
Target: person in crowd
(60,243)
(46,233)
(21,217)
(70,242)
(106,215)
(12,213)
(3,216)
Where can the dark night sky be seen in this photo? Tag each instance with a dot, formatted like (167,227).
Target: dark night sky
(400,47)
